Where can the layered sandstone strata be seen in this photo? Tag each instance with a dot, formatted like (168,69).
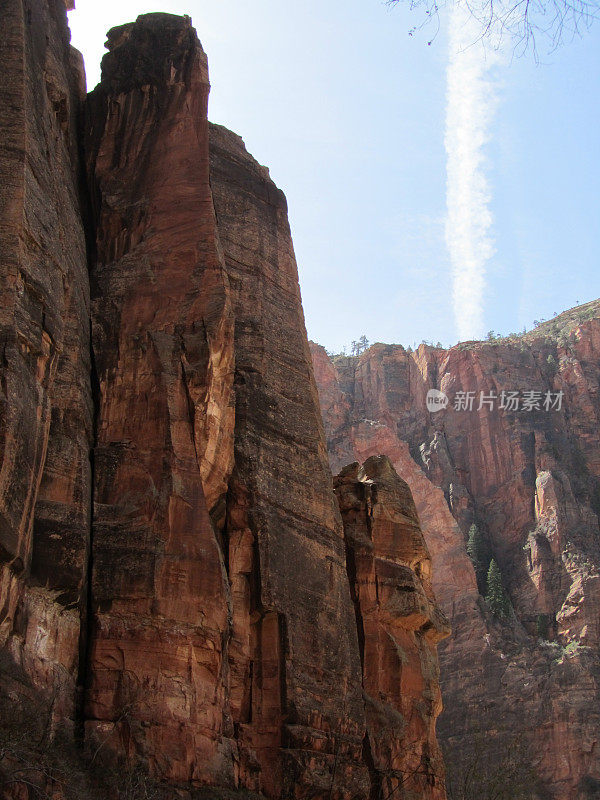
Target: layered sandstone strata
(45,402)
(525,689)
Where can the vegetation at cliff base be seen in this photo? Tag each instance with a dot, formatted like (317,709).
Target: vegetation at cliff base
(492,767)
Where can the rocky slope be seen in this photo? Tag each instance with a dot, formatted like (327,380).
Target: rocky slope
(520,694)
(175,583)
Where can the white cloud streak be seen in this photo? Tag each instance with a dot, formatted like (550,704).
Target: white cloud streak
(471,100)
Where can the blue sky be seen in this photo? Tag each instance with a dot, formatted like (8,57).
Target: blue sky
(435,192)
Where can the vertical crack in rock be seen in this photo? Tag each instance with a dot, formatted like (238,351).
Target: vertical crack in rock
(190,405)
(86,619)
(374,775)
(352,580)
(367,754)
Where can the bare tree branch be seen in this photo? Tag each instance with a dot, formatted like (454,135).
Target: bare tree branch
(525,24)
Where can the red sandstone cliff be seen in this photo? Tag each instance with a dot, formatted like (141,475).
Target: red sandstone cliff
(170,540)
(521,694)
(163,349)
(399,625)
(45,399)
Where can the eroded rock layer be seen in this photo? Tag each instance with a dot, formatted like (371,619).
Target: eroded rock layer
(520,694)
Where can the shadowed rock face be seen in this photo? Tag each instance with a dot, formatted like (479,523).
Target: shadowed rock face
(169,535)
(295,671)
(45,401)
(399,624)
(530,480)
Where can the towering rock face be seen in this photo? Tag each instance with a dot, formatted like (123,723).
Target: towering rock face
(163,350)
(207,656)
(295,670)
(45,402)
(530,481)
(175,576)
(399,624)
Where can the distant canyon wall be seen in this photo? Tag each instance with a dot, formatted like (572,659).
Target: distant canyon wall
(520,694)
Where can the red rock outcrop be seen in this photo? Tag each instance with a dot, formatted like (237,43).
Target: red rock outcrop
(295,670)
(45,402)
(163,349)
(169,536)
(399,625)
(529,480)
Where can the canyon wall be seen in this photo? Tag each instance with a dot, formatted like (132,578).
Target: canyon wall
(45,401)
(399,624)
(162,340)
(520,693)
(296,699)
(175,574)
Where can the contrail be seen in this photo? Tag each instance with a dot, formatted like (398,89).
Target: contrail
(471,99)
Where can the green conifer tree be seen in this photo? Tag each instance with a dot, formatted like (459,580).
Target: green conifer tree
(479,554)
(542,626)
(496,596)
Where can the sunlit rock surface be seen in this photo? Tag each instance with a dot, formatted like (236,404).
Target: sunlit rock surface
(523,690)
